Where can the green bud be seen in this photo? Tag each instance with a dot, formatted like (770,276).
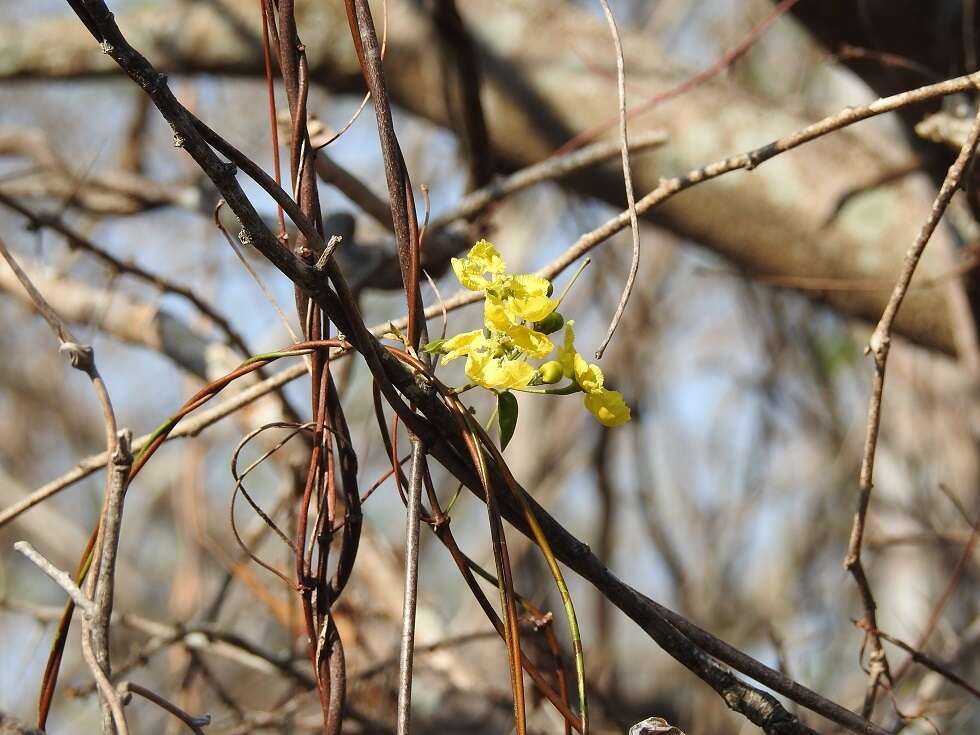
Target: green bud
(433,347)
(551,372)
(550,324)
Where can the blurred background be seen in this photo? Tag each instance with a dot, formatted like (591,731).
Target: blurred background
(730,495)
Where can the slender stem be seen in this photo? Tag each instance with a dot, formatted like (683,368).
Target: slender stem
(627,178)
(411,590)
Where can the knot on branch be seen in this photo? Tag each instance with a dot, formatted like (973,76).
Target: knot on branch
(82,357)
(122,455)
(438,520)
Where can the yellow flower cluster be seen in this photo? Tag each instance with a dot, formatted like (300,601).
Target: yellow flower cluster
(497,355)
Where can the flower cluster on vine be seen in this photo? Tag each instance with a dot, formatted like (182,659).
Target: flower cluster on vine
(519,316)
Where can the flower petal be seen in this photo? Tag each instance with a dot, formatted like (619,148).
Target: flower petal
(499,323)
(527,286)
(482,258)
(498,373)
(566,353)
(530,308)
(589,377)
(462,344)
(608,407)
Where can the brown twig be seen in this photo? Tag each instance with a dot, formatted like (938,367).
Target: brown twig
(627,178)
(100,584)
(937,610)
(106,693)
(927,661)
(410,603)
(194,723)
(878,347)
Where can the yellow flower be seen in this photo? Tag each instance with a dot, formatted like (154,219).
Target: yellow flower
(498,373)
(525,339)
(482,258)
(608,407)
(525,297)
(496,356)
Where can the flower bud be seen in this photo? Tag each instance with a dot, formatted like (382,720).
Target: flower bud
(550,372)
(550,324)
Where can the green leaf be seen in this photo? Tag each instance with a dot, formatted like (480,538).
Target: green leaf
(433,346)
(507,416)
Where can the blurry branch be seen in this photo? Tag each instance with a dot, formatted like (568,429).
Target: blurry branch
(538,96)
(961,650)
(186,428)
(201,637)
(115,192)
(131,158)
(76,241)
(461,84)
(377,267)
(650,502)
(194,723)
(126,319)
(879,346)
(12,726)
(550,169)
(931,664)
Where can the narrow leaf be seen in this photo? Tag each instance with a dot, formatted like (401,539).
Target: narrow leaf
(507,415)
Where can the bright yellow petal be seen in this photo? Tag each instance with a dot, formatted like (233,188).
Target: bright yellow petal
(566,353)
(476,364)
(495,317)
(503,374)
(496,372)
(482,258)
(608,407)
(527,286)
(485,255)
(530,308)
(533,344)
(462,344)
(469,275)
(589,377)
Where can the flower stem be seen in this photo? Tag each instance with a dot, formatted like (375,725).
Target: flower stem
(569,285)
